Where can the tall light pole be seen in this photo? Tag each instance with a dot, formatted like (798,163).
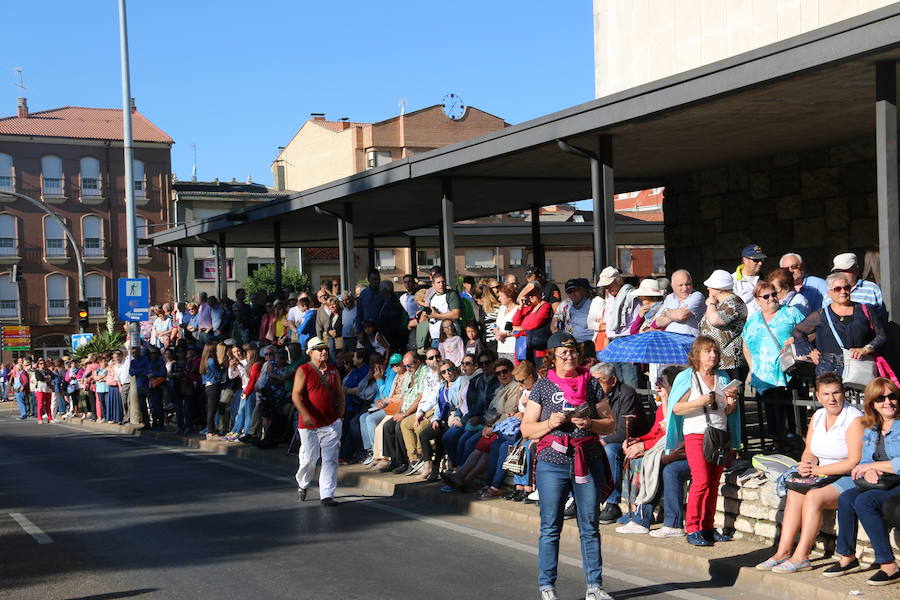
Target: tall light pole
(128,143)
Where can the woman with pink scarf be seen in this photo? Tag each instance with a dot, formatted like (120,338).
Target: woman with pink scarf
(566,413)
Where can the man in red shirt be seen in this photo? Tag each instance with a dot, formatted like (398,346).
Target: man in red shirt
(319,398)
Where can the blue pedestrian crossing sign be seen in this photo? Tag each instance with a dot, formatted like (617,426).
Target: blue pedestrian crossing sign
(134,299)
(80,339)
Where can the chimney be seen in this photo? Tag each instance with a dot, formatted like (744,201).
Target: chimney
(345,123)
(132,105)
(317,116)
(22,108)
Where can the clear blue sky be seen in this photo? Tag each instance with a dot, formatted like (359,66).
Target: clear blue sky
(238,78)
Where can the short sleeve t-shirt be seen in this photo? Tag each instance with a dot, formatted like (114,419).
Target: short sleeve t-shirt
(321,400)
(695,303)
(550,397)
(441,303)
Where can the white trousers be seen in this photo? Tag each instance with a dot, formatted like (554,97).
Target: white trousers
(324,441)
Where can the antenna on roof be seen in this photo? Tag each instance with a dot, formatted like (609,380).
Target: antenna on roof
(21,84)
(402,104)
(194,170)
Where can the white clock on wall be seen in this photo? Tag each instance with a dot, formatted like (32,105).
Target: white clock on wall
(454,107)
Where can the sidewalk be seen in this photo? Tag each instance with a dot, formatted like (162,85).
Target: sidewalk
(728,563)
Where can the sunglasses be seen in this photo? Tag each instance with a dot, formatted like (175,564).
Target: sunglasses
(503,371)
(409,367)
(757,260)
(520,381)
(892,397)
(769,295)
(841,288)
(447,370)
(432,357)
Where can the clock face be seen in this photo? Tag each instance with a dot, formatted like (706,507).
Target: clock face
(454,107)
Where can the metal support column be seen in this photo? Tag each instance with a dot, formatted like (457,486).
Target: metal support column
(371,252)
(537,248)
(413,258)
(276,237)
(221,269)
(603,191)
(886,165)
(342,254)
(448,246)
(350,276)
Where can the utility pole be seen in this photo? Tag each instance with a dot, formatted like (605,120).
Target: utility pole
(128,143)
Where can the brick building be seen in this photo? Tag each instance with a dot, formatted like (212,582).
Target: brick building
(71,159)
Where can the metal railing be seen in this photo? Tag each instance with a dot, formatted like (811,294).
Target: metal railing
(57,308)
(90,186)
(9,247)
(140,189)
(94,247)
(55,247)
(9,309)
(52,187)
(7,184)
(95,306)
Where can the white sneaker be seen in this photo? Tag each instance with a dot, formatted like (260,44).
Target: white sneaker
(534,496)
(597,594)
(667,532)
(369,460)
(549,595)
(632,527)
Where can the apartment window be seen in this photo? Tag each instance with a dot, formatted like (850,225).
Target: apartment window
(94,293)
(57,295)
(480,258)
(384,259)
(9,298)
(90,176)
(7,184)
(376,158)
(142,231)
(255,264)
(139,183)
(52,176)
(205,269)
(517,257)
(426,259)
(92,236)
(54,238)
(659,261)
(625,261)
(9,245)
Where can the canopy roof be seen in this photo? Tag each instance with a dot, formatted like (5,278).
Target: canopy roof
(808,91)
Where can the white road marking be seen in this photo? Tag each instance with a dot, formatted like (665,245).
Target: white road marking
(635,580)
(31,529)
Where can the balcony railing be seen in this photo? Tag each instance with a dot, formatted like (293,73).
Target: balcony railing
(90,187)
(93,247)
(9,309)
(95,307)
(140,189)
(7,184)
(57,308)
(143,252)
(9,247)
(55,247)
(53,187)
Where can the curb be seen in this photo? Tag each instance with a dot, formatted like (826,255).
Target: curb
(729,564)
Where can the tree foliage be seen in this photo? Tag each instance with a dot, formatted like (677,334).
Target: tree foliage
(263,280)
(103,341)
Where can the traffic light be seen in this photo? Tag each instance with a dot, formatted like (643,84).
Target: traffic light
(83,322)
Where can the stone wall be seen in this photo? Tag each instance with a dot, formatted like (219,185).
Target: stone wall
(817,203)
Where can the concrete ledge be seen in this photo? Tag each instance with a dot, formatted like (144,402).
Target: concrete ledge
(730,564)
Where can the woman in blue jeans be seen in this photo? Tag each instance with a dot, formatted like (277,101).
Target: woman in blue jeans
(566,413)
(880,458)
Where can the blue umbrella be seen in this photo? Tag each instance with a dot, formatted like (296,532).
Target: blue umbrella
(651,347)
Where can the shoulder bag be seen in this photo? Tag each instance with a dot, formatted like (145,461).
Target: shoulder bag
(796,482)
(716,442)
(858,372)
(787,360)
(886,481)
(515,457)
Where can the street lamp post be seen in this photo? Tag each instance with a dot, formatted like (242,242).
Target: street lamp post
(128,144)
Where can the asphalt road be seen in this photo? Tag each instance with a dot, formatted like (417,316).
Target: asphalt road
(121,518)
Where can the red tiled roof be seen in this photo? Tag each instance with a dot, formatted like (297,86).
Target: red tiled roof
(657,217)
(320,253)
(83,123)
(336,126)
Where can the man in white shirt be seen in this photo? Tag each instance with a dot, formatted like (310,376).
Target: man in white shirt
(683,308)
(408,299)
(294,316)
(617,315)
(444,304)
(746,276)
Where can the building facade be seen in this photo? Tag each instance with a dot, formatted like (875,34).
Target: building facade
(638,41)
(195,268)
(71,160)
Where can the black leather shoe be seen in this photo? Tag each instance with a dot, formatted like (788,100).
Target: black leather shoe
(836,570)
(610,514)
(329,502)
(301,492)
(401,469)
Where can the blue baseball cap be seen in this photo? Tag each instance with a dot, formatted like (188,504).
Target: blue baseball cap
(753,251)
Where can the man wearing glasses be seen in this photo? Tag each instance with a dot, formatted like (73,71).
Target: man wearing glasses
(809,286)
(746,276)
(416,423)
(319,399)
(413,385)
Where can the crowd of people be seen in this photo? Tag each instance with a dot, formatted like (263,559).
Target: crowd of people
(502,378)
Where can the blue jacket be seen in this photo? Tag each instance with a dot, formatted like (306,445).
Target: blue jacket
(368,307)
(675,423)
(479,396)
(891,445)
(213,372)
(140,370)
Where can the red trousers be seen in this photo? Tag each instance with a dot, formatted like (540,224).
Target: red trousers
(704,490)
(43,405)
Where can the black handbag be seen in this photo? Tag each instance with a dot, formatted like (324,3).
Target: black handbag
(886,481)
(716,442)
(537,338)
(797,483)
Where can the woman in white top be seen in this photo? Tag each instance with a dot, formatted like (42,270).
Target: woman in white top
(506,342)
(833,447)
